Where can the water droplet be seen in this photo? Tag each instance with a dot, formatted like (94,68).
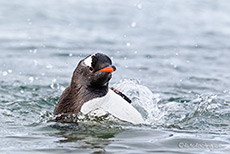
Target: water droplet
(54,85)
(70,54)
(9,71)
(21,91)
(31,79)
(43,45)
(4,73)
(35,62)
(29,21)
(49,66)
(124,36)
(128,44)
(133,24)
(139,6)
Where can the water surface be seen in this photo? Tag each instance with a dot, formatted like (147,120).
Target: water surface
(173,62)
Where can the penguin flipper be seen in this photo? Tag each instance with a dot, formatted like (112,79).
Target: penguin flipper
(121,94)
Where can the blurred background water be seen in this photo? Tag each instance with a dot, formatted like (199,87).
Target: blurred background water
(172,58)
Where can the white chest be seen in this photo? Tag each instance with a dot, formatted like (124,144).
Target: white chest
(115,105)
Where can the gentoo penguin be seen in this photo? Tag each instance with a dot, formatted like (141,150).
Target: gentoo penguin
(89,92)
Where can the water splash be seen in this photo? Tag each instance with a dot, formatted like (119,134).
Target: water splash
(204,112)
(142,99)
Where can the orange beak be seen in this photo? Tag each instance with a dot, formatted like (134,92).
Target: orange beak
(108,69)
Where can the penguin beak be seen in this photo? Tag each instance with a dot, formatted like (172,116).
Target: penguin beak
(108,69)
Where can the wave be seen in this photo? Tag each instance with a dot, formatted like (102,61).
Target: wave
(207,113)
(203,113)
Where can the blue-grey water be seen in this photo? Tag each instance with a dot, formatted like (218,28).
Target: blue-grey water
(172,58)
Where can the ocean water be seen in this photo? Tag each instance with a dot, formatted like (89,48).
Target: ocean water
(172,59)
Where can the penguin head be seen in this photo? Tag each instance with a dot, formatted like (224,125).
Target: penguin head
(94,71)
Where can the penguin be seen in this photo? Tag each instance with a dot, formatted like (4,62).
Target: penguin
(89,92)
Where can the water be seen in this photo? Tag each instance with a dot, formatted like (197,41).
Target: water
(173,62)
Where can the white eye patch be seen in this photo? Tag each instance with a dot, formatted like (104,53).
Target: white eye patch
(88,61)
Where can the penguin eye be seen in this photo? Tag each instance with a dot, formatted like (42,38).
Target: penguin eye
(91,69)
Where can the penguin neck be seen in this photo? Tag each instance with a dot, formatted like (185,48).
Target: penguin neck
(89,91)
(98,91)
